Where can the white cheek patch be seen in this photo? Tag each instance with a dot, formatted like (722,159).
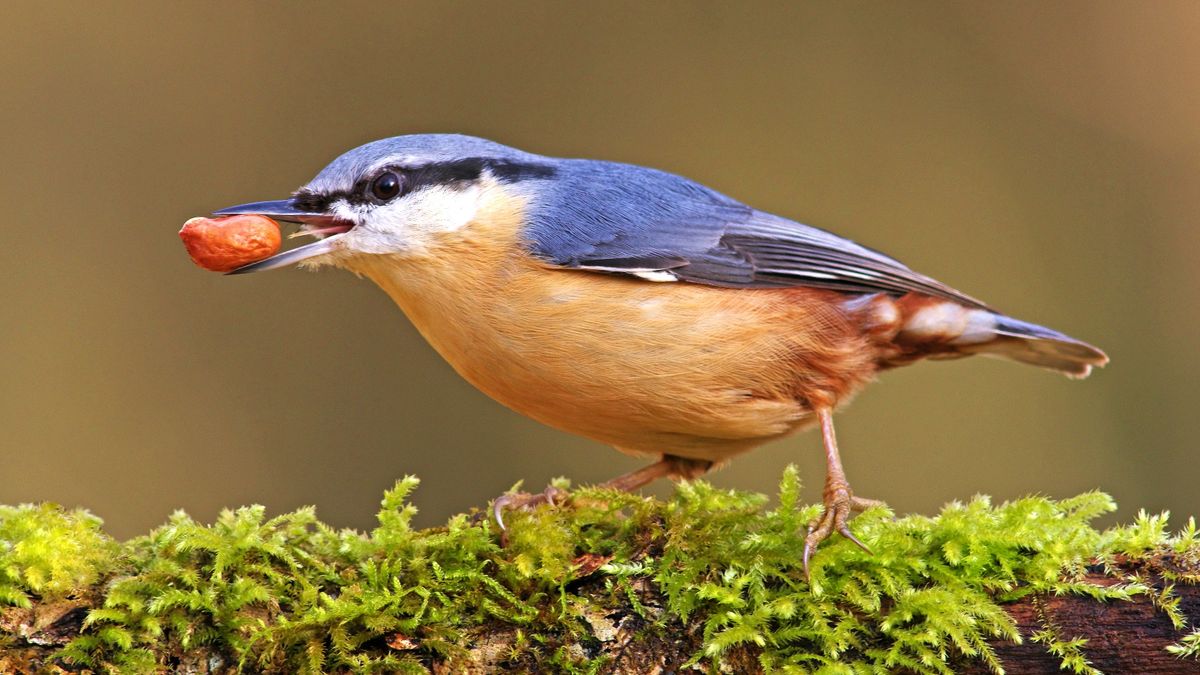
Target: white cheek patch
(438,209)
(412,222)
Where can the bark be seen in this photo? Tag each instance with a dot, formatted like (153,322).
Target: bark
(1123,637)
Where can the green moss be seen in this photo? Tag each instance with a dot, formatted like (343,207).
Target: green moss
(290,594)
(50,552)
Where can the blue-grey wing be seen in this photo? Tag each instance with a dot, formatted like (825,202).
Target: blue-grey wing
(619,218)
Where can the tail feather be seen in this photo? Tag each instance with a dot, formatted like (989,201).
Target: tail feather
(923,327)
(1040,346)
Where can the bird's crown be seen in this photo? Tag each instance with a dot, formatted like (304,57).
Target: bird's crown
(413,151)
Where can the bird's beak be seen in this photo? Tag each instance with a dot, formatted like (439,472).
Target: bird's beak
(321,224)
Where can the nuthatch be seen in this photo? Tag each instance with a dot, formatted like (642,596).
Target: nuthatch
(636,307)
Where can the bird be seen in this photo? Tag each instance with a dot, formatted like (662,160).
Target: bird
(637,307)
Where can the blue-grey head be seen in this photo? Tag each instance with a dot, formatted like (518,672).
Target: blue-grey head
(391,196)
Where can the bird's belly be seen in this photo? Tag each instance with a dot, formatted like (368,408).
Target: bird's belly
(680,368)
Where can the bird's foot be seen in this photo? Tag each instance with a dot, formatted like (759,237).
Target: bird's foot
(840,504)
(523,500)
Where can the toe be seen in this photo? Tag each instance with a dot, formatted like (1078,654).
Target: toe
(840,505)
(554,496)
(523,500)
(818,531)
(814,538)
(859,504)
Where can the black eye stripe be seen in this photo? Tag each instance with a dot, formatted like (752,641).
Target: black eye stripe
(415,178)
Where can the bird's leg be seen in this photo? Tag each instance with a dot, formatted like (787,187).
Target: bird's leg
(669,466)
(839,501)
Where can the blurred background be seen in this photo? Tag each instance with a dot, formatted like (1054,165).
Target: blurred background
(1043,157)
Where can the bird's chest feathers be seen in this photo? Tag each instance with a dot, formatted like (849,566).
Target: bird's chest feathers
(595,353)
(479,298)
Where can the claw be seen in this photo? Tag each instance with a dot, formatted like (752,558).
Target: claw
(498,510)
(808,549)
(845,532)
(522,500)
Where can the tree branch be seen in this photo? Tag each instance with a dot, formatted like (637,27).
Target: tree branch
(709,580)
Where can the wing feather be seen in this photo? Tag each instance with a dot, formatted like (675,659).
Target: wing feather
(618,218)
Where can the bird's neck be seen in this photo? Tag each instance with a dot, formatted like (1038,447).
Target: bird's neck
(451,284)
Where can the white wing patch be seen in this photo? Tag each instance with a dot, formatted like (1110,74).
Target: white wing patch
(647,274)
(656,275)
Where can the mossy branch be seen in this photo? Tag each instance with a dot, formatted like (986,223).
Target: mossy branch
(709,580)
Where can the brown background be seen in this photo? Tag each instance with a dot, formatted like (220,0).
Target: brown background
(1043,157)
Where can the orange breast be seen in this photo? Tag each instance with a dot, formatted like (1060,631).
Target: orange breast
(648,367)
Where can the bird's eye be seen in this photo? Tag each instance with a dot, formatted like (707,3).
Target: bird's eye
(386,186)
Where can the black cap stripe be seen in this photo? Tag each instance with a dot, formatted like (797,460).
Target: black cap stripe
(434,174)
